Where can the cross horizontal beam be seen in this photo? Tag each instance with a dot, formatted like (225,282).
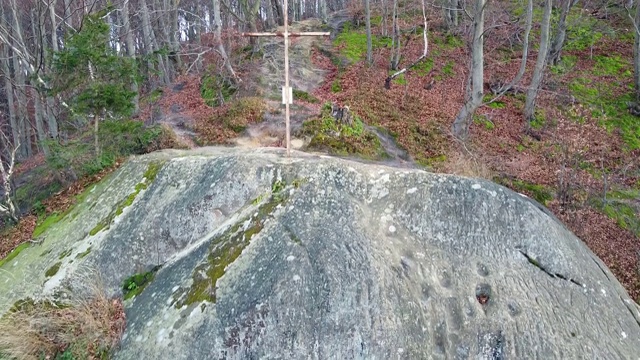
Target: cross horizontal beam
(291,34)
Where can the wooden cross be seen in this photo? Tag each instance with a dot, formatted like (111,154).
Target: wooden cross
(287,93)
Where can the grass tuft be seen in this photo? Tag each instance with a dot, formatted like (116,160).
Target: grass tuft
(85,328)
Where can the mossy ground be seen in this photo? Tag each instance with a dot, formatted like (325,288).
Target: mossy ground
(352,43)
(230,120)
(540,193)
(341,139)
(216,90)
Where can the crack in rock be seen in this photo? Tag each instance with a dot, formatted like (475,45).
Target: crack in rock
(554,275)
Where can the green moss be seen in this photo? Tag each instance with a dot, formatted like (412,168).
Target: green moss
(135,284)
(152,97)
(101,225)
(611,65)
(539,119)
(538,192)
(46,252)
(148,177)
(609,109)
(400,79)
(566,65)
(342,139)
(581,35)
(620,207)
(495,104)
(352,44)
(214,86)
(64,254)
(152,171)
(84,253)
(226,248)
(304,96)
(47,223)
(13,254)
(424,67)
(480,119)
(447,69)
(53,270)
(335,86)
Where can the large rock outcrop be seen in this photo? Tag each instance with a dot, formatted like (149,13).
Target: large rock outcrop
(312,257)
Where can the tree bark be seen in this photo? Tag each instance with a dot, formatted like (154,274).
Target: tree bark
(525,54)
(475,86)
(561,33)
(450,13)
(367,15)
(395,41)
(131,51)
(636,52)
(8,88)
(538,71)
(279,12)
(217,31)
(38,113)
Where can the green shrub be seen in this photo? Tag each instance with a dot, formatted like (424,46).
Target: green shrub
(118,138)
(213,86)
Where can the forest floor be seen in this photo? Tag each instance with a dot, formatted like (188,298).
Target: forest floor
(580,159)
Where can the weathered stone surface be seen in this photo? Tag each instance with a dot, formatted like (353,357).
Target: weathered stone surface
(314,257)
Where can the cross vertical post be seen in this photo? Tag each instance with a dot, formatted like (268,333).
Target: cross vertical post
(286,90)
(286,76)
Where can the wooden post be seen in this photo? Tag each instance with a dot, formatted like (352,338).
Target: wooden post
(286,75)
(286,91)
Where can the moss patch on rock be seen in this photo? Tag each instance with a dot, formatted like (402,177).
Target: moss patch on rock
(226,248)
(46,223)
(149,176)
(84,253)
(53,270)
(13,254)
(135,284)
(342,139)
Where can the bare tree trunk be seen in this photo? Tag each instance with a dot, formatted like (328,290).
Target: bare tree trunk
(22,114)
(384,16)
(538,71)
(561,33)
(7,206)
(636,52)
(8,88)
(52,122)
(54,27)
(279,12)
(367,14)
(271,21)
(395,42)
(38,112)
(174,33)
(475,87)
(131,51)
(450,14)
(217,31)
(525,54)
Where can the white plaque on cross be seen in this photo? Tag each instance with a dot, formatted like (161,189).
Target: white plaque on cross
(287,96)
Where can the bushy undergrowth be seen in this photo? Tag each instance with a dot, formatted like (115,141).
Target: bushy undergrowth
(117,139)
